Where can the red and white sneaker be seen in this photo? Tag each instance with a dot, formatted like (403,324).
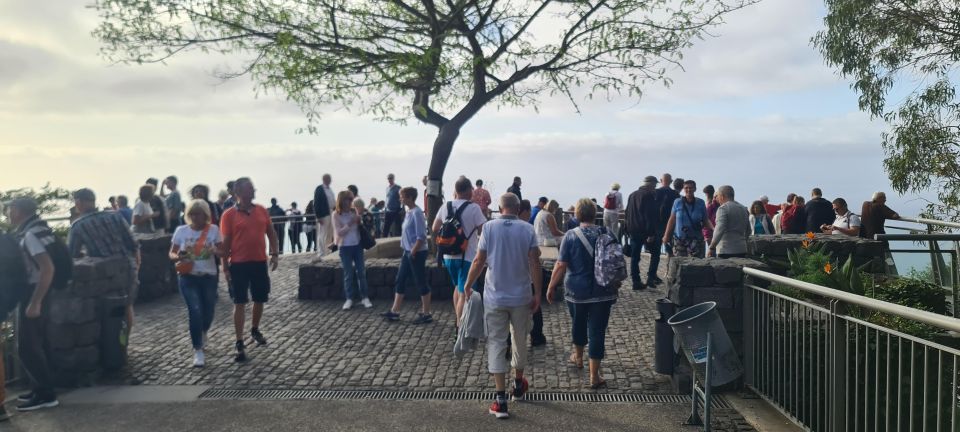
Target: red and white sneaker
(499,409)
(520,391)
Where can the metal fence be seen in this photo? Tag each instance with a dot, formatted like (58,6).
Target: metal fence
(829,369)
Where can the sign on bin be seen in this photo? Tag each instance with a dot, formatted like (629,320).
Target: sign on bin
(699,354)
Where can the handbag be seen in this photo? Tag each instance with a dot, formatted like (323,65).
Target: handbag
(185,267)
(366,240)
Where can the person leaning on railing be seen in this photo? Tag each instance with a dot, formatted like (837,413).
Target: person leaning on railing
(874,214)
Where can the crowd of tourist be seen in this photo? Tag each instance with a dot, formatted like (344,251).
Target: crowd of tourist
(498,257)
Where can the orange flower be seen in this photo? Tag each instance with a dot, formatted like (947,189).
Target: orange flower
(828,268)
(810,235)
(806,244)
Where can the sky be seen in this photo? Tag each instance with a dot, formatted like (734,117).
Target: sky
(754,107)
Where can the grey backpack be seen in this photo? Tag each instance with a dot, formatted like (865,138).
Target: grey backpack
(609,265)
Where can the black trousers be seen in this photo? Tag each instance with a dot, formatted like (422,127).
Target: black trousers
(391,218)
(33,354)
(278,228)
(295,245)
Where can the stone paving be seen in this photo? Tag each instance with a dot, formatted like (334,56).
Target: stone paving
(316,345)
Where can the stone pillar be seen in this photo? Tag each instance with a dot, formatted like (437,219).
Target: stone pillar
(74,318)
(772,249)
(158,277)
(692,281)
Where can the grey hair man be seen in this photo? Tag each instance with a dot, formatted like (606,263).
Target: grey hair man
(732,227)
(508,250)
(34,236)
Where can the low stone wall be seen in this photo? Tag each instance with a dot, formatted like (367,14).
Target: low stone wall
(692,281)
(158,277)
(324,280)
(772,249)
(74,317)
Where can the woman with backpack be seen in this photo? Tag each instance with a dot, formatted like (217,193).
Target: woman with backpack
(346,234)
(194,248)
(612,207)
(688,217)
(589,303)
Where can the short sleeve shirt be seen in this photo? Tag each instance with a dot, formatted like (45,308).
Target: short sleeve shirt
(186,239)
(32,247)
(247,231)
(689,215)
(507,242)
(848,220)
(174,203)
(143,209)
(472,219)
(580,263)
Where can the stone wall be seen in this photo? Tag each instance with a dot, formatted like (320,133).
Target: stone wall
(692,281)
(772,249)
(324,280)
(74,317)
(158,277)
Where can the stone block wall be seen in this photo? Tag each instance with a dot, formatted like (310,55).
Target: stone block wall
(74,315)
(324,280)
(772,249)
(158,277)
(692,281)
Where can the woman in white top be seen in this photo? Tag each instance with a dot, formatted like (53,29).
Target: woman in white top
(545,226)
(346,234)
(142,212)
(198,286)
(612,207)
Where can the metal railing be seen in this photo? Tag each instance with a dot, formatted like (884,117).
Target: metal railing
(829,367)
(944,273)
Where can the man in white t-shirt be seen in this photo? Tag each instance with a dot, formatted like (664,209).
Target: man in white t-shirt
(846,222)
(471,221)
(508,249)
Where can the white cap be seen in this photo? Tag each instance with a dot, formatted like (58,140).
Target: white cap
(764,198)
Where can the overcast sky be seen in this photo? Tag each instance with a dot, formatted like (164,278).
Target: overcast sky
(755,108)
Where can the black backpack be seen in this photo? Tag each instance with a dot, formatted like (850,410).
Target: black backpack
(58,251)
(14,283)
(451,240)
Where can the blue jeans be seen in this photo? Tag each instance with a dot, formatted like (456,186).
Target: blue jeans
(590,325)
(354,271)
(200,294)
(458,269)
(413,266)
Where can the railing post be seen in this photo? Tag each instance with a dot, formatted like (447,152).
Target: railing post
(837,368)
(748,336)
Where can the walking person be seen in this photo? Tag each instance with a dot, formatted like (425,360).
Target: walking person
(537,338)
(733,226)
(296,227)
(34,237)
(413,240)
(278,216)
(99,234)
(346,226)
(470,217)
(482,198)
(195,248)
(642,225)
(687,219)
(323,204)
(612,208)
(391,211)
(588,303)
(310,227)
(508,250)
(245,260)
(760,223)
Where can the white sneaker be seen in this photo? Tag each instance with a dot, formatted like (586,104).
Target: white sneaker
(347,304)
(199,360)
(366,303)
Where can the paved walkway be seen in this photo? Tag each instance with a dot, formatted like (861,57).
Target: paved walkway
(315,345)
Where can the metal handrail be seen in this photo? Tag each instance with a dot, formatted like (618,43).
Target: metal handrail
(944,322)
(925,221)
(918,237)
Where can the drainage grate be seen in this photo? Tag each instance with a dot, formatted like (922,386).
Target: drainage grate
(240,394)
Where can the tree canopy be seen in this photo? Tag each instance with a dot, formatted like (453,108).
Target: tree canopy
(901,56)
(437,61)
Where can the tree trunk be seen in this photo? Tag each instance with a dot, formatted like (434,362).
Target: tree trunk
(442,147)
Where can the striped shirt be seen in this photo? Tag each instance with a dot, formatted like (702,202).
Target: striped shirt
(101,234)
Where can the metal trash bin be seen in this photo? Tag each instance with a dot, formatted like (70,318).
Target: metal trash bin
(692,325)
(114,332)
(663,338)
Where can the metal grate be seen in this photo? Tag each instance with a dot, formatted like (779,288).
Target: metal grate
(241,394)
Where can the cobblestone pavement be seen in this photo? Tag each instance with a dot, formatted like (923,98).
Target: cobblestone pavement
(316,345)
